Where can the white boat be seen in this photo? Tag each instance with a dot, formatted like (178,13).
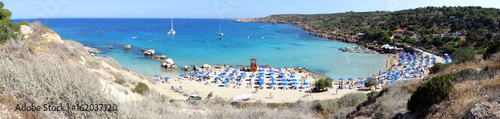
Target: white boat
(171,32)
(220,26)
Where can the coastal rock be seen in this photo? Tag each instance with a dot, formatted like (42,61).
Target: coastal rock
(485,110)
(195,68)
(110,47)
(26,30)
(226,65)
(160,57)
(206,66)
(149,52)
(186,68)
(92,49)
(169,64)
(127,47)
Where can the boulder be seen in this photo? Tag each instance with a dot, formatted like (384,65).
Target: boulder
(485,110)
(162,57)
(110,47)
(195,68)
(206,66)
(186,68)
(26,30)
(149,52)
(169,64)
(127,47)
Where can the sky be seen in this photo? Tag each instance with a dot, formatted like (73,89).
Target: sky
(26,9)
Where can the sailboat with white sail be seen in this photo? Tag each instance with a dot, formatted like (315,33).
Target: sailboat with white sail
(220,26)
(171,32)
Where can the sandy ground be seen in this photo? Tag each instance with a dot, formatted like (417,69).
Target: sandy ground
(279,95)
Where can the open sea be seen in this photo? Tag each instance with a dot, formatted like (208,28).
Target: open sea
(196,42)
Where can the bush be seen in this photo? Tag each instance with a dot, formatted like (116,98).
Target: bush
(326,105)
(431,92)
(359,107)
(321,84)
(464,54)
(439,67)
(140,88)
(492,50)
(24,22)
(370,83)
(119,80)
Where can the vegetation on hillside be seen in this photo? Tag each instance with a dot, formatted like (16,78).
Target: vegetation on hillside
(7,27)
(431,92)
(440,29)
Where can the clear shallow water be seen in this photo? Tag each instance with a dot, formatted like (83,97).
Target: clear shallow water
(197,42)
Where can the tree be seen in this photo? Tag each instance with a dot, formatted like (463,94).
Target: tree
(323,83)
(464,54)
(24,22)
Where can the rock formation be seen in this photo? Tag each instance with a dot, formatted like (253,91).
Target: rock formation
(186,68)
(206,66)
(169,64)
(127,47)
(485,110)
(110,47)
(149,52)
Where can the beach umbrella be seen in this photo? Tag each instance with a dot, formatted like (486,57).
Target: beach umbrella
(241,76)
(419,63)
(166,78)
(231,75)
(305,83)
(262,73)
(261,76)
(360,78)
(394,75)
(195,71)
(242,73)
(332,79)
(412,65)
(228,67)
(262,70)
(195,74)
(190,73)
(237,68)
(385,72)
(285,83)
(362,81)
(282,73)
(369,78)
(279,67)
(389,78)
(273,79)
(341,79)
(417,72)
(414,69)
(393,71)
(398,70)
(381,74)
(157,75)
(397,77)
(283,80)
(292,76)
(282,76)
(183,75)
(410,72)
(220,74)
(217,77)
(294,80)
(226,70)
(224,82)
(407,64)
(295,83)
(260,82)
(202,76)
(251,76)
(273,83)
(350,79)
(407,77)
(393,81)
(228,78)
(272,73)
(389,74)
(435,59)
(407,70)
(427,63)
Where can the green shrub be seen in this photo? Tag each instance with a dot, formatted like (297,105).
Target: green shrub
(431,92)
(439,67)
(464,54)
(359,107)
(119,80)
(370,83)
(325,105)
(24,22)
(140,88)
(323,83)
(371,96)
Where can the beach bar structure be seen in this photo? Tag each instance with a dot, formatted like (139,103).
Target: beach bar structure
(253,64)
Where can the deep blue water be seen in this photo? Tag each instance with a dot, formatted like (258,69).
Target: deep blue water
(197,42)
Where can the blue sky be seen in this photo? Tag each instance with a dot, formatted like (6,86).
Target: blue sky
(23,9)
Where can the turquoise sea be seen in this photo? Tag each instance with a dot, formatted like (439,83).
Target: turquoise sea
(197,42)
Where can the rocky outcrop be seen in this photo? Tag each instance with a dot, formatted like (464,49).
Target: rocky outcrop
(206,66)
(169,64)
(485,110)
(127,47)
(26,30)
(149,52)
(195,68)
(88,49)
(186,68)
(111,47)
(162,57)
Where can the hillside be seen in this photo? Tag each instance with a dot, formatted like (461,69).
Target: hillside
(439,29)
